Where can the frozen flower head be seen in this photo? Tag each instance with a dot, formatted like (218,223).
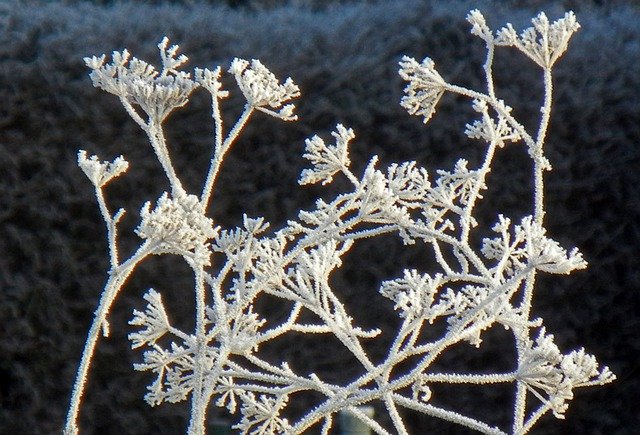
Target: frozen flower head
(479,25)
(425,87)
(327,160)
(491,130)
(546,371)
(210,80)
(262,90)
(261,414)
(543,43)
(529,247)
(100,173)
(136,82)
(178,226)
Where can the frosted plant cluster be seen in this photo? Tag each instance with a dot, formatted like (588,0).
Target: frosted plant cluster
(476,287)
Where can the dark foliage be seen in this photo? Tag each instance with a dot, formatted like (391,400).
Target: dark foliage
(344,58)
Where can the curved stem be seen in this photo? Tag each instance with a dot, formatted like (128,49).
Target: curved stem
(519,128)
(482,175)
(116,280)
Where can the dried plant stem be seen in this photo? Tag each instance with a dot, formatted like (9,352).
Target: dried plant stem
(117,278)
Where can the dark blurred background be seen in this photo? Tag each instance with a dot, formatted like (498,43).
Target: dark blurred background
(344,56)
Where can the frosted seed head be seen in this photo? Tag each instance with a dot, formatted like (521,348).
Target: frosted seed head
(139,83)
(101,172)
(262,89)
(178,226)
(479,25)
(544,42)
(425,87)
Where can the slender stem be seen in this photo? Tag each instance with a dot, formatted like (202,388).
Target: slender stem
(408,327)
(209,382)
(219,304)
(451,416)
(488,72)
(216,159)
(519,128)
(133,114)
(482,175)
(352,178)
(540,163)
(198,408)
(116,280)
(519,408)
(217,119)
(395,415)
(111,223)
(220,151)
(156,137)
(289,325)
(440,258)
(455,378)
(535,416)
(350,342)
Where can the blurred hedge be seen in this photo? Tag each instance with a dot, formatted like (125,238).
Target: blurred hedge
(344,57)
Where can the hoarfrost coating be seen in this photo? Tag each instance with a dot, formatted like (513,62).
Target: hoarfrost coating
(474,289)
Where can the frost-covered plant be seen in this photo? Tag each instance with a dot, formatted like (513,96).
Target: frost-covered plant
(475,288)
